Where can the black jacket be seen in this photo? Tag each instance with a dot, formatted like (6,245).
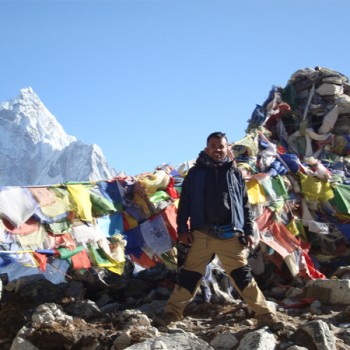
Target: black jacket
(192,200)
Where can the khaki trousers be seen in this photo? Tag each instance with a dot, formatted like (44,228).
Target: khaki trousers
(232,255)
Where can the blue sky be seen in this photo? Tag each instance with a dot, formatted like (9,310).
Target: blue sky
(147,81)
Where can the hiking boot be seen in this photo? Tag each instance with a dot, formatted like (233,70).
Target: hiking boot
(270,320)
(164,319)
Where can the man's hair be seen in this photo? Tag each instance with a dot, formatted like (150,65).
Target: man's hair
(217,134)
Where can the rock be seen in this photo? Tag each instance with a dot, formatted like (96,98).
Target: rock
(153,307)
(224,341)
(123,341)
(137,288)
(110,308)
(36,289)
(50,314)
(294,293)
(86,309)
(177,341)
(345,336)
(22,344)
(240,314)
(315,308)
(321,335)
(75,289)
(332,291)
(258,340)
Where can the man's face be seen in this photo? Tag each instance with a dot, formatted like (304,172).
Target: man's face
(217,148)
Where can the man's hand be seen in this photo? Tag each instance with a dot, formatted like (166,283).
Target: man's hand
(183,246)
(185,238)
(250,241)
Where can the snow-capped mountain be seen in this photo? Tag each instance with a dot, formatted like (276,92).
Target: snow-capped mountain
(35,150)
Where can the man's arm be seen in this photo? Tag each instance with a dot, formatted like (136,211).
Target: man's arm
(183,213)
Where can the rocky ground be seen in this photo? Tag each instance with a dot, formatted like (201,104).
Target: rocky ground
(90,312)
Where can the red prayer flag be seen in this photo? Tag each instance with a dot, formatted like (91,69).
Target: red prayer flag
(81,260)
(41,260)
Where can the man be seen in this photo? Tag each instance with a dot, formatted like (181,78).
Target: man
(214,203)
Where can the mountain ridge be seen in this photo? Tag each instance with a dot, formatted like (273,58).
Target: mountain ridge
(35,149)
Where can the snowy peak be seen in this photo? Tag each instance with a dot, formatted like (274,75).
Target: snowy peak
(35,149)
(28,97)
(28,112)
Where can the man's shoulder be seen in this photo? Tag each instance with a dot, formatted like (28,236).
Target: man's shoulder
(196,170)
